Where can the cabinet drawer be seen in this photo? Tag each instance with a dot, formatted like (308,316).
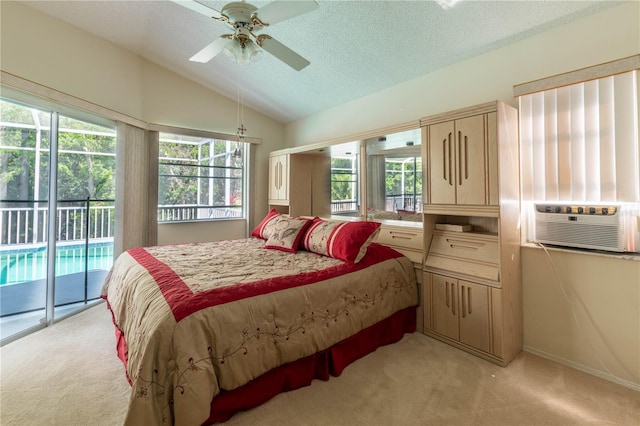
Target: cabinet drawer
(467,253)
(474,247)
(409,238)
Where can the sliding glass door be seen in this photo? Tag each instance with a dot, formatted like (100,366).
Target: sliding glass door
(56,215)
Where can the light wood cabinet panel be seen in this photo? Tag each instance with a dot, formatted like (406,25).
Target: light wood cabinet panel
(472,294)
(298,184)
(444,306)
(458,163)
(474,315)
(460,311)
(408,240)
(470,160)
(440,148)
(279,179)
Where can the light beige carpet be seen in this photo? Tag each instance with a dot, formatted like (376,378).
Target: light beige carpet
(68,374)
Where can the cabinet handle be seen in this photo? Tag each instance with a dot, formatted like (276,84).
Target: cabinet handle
(447,294)
(464,307)
(279,174)
(444,158)
(450,161)
(275,175)
(463,247)
(402,235)
(459,157)
(469,300)
(466,158)
(453,300)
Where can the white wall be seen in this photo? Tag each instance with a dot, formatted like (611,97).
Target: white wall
(194,232)
(52,53)
(608,286)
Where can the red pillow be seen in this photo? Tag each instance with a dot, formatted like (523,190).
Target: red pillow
(346,241)
(263,230)
(287,233)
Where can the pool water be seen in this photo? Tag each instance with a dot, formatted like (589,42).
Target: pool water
(23,265)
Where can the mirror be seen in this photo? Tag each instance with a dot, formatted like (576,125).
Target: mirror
(394,176)
(345,179)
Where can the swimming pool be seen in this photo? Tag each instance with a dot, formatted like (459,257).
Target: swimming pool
(30,264)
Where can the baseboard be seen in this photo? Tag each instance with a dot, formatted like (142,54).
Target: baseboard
(589,370)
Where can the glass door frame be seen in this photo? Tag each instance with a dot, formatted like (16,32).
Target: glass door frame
(51,313)
(52,212)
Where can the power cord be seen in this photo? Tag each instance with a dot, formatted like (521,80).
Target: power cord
(575,318)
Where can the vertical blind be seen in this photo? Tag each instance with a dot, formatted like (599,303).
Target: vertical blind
(580,142)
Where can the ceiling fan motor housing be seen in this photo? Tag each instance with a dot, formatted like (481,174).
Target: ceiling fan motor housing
(239,13)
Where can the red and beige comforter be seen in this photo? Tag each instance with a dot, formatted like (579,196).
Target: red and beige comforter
(196,319)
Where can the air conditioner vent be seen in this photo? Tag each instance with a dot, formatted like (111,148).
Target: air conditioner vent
(600,231)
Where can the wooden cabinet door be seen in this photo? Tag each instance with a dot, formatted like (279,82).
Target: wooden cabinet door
(278,178)
(441,162)
(474,315)
(470,168)
(445,306)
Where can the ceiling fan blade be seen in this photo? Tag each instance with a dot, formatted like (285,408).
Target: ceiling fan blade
(199,7)
(282,52)
(211,50)
(280,10)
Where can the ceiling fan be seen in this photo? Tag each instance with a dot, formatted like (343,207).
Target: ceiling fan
(245,19)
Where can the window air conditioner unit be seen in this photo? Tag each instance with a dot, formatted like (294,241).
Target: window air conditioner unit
(595,227)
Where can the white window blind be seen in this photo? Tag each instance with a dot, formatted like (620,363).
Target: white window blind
(579,143)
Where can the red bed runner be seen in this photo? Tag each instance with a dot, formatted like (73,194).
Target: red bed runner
(183,302)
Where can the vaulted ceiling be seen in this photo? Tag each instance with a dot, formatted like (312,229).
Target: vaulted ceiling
(355,47)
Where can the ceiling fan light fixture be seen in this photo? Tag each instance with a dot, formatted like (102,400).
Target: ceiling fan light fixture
(243,52)
(242,48)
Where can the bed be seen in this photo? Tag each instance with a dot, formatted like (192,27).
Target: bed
(209,329)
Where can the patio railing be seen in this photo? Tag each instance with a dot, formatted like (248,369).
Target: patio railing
(25,222)
(394,202)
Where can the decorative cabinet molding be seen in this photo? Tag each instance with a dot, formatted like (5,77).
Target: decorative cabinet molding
(472,294)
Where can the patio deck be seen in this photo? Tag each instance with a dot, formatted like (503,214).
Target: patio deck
(31,296)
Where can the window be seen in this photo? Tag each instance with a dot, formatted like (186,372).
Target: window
(85,175)
(579,144)
(403,181)
(344,184)
(200,178)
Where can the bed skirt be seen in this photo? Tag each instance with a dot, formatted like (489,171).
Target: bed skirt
(322,365)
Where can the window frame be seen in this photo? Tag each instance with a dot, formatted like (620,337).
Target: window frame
(197,209)
(353,182)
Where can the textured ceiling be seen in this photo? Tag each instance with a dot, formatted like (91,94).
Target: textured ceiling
(355,47)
